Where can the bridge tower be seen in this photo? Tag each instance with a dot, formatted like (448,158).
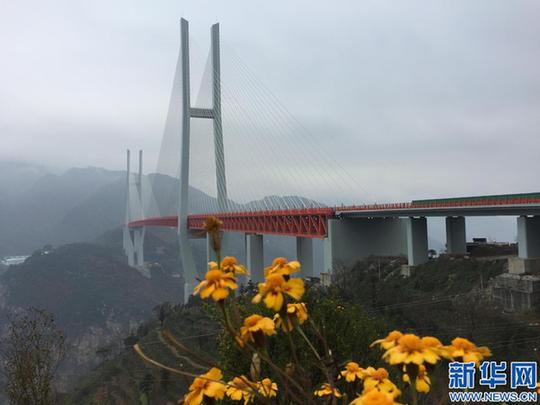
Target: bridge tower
(188,112)
(127,241)
(133,240)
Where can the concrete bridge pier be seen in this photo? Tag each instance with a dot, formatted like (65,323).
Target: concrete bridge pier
(255,256)
(351,239)
(528,230)
(518,290)
(304,254)
(456,240)
(417,243)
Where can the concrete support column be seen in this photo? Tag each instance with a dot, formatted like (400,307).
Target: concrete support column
(350,240)
(304,254)
(456,241)
(328,254)
(417,244)
(254,257)
(528,229)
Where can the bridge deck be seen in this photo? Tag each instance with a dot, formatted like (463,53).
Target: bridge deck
(313,222)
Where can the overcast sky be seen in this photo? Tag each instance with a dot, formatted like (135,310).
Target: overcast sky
(414,98)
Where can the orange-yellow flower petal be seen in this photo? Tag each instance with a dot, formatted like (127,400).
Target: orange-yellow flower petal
(326,390)
(216,284)
(206,385)
(229,264)
(374,397)
(295,312)
(411,349)
(378,379)
(267,388)
(254,329)
(423,382)
(282,266)
(240,388)
(389,341)
(466,351)
(353,372)
(274,287)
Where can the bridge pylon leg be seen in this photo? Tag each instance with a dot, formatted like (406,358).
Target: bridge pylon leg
(128,247)
(138,236)
(188,263)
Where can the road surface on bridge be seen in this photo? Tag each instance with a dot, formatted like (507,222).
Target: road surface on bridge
(313,222)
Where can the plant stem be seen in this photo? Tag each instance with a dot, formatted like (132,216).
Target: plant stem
(414,396)
(293,350)
(299,329)
(324,368)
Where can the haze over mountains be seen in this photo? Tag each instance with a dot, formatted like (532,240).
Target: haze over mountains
(37,205)
(41,205)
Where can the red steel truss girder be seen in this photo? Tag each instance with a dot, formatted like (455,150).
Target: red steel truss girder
(309,223)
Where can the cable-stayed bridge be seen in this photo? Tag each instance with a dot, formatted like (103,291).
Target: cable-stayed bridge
(238,154)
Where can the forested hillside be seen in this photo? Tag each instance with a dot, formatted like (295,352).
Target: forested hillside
(94,296)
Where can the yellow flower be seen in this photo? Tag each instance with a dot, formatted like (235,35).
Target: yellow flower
(216,284)
(267,388)
(353,372)
(422,382)
(272,290)
(206,385)
(466,351)
(389,341)
(294,311)
(255,328)
(240,388)
(430,341)
(326,390)
(411,349)
(374,397)
(378,379)
(433,345)
(229,264)
(282,266)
